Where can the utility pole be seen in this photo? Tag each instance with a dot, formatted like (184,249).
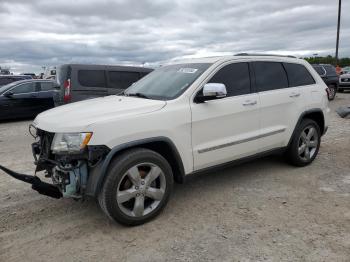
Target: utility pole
(338,29)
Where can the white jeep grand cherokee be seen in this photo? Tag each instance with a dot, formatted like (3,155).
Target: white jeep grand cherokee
(183,118)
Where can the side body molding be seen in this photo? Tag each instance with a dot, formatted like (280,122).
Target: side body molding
(98,174)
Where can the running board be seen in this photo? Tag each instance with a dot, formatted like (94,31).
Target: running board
(37,185)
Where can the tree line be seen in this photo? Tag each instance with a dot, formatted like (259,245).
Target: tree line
(328,60)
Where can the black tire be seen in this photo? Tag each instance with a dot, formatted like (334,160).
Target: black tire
(292,153)
(107,197)
(332,92)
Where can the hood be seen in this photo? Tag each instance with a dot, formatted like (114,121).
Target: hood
(77,117)
(347,75)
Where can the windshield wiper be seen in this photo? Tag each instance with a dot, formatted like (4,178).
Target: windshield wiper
(137,95)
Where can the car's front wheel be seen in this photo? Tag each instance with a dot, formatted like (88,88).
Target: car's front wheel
(305,143)
(137,187)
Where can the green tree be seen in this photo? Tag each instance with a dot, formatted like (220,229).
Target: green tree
(328,60)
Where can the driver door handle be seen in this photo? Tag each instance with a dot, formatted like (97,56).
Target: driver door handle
(250,103)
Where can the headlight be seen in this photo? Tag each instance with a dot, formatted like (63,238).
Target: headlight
(70,142)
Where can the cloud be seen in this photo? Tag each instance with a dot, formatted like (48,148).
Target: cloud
(43,33)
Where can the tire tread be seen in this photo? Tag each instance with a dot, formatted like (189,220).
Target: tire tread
(291,153)
(118,163)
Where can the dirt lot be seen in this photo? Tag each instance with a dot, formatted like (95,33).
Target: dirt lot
(265,210)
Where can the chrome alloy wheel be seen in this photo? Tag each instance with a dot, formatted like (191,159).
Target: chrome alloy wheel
(141,189)
(308,143)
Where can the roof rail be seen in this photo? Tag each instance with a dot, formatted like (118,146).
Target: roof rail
(247,54)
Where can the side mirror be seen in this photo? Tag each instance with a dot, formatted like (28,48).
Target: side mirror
(212,91)
(9,94)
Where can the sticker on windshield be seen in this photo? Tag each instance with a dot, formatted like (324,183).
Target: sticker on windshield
(188,70)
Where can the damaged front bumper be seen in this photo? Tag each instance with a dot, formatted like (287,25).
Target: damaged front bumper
(71,174)
(37,185)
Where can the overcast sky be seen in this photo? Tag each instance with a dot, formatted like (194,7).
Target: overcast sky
(35,33)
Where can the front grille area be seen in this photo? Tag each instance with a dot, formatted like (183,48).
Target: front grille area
(45,141)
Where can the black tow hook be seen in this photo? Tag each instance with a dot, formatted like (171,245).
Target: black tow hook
(38,185)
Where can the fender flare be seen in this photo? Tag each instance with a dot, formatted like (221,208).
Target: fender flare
(97,185)
(301,117)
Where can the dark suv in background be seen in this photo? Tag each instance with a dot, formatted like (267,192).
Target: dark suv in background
(344,80)
(78,82)
(7,79)
(330,77)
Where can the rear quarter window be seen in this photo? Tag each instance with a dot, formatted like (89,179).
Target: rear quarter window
(298,75)
(92,78)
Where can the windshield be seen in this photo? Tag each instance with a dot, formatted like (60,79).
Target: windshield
(6,87)
(167,82)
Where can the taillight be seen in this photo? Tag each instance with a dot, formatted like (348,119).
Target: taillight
(67,95)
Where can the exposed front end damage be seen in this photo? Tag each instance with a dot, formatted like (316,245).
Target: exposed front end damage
(69,173)
(38,185)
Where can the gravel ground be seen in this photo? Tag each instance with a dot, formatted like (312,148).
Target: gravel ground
(264,210)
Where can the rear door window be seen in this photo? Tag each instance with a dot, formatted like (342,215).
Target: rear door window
(92,78)
(122,79)
(46,86)
(270,76)
(298,75)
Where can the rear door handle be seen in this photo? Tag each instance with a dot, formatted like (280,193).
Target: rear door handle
(294,95)
(250,103)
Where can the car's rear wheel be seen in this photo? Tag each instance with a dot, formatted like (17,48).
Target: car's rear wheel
(305,143)
(332,91)
(137,187)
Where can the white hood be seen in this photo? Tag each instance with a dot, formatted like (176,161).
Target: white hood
(77,117)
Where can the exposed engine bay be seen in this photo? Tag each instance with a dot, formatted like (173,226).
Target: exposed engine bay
(69,172)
